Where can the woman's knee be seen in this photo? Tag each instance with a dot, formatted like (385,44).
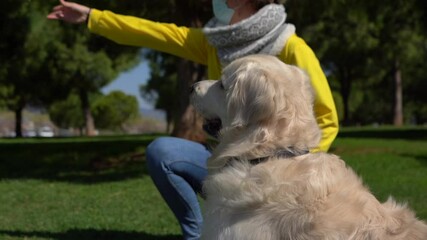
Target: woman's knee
(157,151)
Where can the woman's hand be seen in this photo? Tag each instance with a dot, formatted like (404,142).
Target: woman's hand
(70,12)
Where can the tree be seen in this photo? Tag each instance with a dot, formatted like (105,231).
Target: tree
(342,34)
(187,123)
(89,62)
(67,113)
(56,57)
(85,73)
(109,111)
(400,40)
(23,53)
(161,88)
(106,58)
(113,110)
(366,47)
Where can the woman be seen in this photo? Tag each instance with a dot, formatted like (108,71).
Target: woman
(239,28)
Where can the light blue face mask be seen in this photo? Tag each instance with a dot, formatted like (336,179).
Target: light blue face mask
(222,12)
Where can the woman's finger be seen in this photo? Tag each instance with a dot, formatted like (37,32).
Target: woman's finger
(64,3)
(55,15)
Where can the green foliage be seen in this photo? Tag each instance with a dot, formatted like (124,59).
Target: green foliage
(110,111)
(42,61)
(83,69)
(359,42)
(113,110)
(23,50)
(171,76)
(87,63)
(67,113)
(338,104)
(162,84)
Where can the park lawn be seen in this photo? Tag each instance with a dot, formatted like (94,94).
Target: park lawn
(98,188)
(391,166)
(80,189)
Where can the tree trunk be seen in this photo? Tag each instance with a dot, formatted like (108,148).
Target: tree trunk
(18,121)
(188,123)
(169,121)
(398,101)
(87,114)
(345,94)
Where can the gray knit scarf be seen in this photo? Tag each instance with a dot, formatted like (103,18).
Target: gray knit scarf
(264,32)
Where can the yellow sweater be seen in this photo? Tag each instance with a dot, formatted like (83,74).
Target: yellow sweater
(191,44)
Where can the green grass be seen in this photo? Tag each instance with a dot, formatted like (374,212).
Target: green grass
(99,188)
(392,162)
(80,189)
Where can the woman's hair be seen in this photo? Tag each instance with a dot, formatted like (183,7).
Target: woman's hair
(261,3)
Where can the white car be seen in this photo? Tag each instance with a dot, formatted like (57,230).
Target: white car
(46,132)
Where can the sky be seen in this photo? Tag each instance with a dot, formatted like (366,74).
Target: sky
(129,82)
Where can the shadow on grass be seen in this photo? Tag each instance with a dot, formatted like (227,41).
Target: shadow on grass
(89,234)
(80,161)
(385,133)
(419,157)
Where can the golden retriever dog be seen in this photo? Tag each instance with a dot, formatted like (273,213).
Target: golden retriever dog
(263,184)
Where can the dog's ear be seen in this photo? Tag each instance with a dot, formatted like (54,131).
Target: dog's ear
(251,98)
(265,90)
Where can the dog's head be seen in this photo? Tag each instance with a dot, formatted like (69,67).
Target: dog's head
(264,105)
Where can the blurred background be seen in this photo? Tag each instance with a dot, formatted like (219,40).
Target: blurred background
(57,79)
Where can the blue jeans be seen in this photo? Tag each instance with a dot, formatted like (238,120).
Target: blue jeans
(178,168)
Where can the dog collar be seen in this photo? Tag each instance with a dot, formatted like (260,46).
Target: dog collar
(284,153)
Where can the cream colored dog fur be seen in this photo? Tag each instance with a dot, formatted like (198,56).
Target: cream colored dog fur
(266,107)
